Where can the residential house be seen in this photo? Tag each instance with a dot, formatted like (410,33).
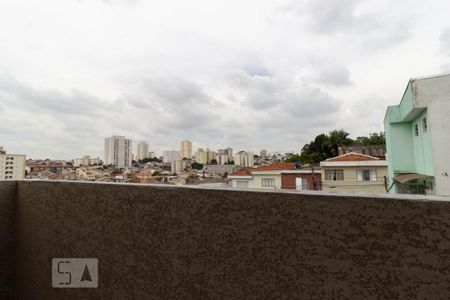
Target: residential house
(354,172)
(277,176)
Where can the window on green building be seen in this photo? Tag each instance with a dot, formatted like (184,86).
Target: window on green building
(424,125)
(416,130)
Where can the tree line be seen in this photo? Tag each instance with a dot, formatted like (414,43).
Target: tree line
(326,146)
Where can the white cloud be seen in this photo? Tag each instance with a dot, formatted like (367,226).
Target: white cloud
(247,74)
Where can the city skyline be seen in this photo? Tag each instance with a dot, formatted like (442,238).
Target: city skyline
(171,71)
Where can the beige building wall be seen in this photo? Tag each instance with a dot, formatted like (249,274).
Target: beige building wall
(142,150)
(210,155)
(351,183)
(222,159)
(257,181)
(201,156)
(86,161)
(178,166)
(186,149)
(244,159)
(12,166)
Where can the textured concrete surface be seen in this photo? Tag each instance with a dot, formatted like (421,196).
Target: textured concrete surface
(8,191)
(183,243)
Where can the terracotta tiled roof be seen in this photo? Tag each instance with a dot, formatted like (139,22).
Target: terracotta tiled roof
(243,172)
(277,166)
(271,167)
(352,156)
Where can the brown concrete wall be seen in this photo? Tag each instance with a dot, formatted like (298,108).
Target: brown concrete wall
(181,243)
(288,180)
(8,191)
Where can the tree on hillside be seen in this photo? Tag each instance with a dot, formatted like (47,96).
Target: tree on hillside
(338,138)
(149,159)
(324,146)
(196,166)
(293,158)
(376,138)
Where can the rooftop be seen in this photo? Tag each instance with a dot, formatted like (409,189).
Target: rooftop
(352,156)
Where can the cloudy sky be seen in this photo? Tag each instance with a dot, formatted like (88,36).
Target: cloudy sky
(247,74)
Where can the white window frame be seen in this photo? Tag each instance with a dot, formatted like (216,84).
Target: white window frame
(268,182)
(242,183)
(372,175)
(334,175)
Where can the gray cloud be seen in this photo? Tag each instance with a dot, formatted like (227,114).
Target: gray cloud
(299,99)
(445,40)
(146,70)
(373,29)
(329,17)
(333,75)
(258,92)
(309,102)
(22,95)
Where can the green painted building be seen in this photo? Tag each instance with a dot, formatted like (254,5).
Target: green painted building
(418,138)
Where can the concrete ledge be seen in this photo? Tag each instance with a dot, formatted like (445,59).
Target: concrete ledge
(8,195)
(159,242)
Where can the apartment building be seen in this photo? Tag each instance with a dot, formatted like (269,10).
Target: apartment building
(210,155)
(186,149)
(263,153)
(222,159)
(170,156)
(118,151)
(86,160)
(12,166)
(178,166)
(417,142)
(244,159)
(201,156)
(142,150)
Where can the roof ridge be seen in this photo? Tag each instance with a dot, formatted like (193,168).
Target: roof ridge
(353,153)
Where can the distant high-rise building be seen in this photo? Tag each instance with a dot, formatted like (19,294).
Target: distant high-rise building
(170,156)
(244,159)
(118,151)
(222,159)
(210,155)
(186,149)
(263,153)
(142,150)
(201,156)
(229,152)
(151,154)
(86,161)
(178,166)
(12,166)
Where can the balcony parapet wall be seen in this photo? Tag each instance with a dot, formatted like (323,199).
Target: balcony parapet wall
(161,242)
